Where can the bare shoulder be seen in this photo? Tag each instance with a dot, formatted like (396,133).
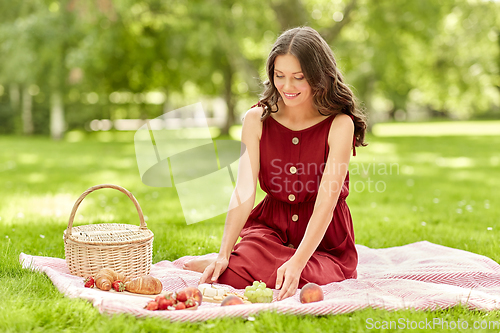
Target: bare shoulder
(342,127)
(343,121)
(252,125)
(253,114)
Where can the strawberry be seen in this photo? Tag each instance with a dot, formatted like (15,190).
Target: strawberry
(181,296)
(152,306)
(157,299)
(170,301)
(89,282)
(180,306)
(118,285)
(164,303)
(190,303)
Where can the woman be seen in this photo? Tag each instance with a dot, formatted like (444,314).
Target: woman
(298,141)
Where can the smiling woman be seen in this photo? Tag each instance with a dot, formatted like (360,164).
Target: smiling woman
(302,63)
(297,142)
(290,82)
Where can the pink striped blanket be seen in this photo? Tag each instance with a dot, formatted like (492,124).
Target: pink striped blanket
(421,276)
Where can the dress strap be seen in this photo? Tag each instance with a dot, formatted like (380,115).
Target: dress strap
(258,104)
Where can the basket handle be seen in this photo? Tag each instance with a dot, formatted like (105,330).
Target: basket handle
(97,187)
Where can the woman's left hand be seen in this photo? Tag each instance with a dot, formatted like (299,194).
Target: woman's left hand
(288,277)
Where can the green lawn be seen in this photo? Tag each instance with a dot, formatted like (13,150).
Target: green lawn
(404,189)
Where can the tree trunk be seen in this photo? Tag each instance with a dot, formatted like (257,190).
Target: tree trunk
(229,97)
(368,100)
(331,33)
(57,125)
(14,97)
(290,13)
(27,115)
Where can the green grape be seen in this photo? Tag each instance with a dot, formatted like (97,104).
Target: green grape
(259,293)
(250,288)
(250,294)
(265,299)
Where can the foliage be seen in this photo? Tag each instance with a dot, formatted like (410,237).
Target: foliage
(401,57)
(424,54)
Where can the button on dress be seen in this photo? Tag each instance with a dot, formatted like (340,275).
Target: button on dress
(291,166)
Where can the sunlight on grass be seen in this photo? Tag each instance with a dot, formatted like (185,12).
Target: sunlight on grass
(437,128)
(425,157)
(36,209)
(36,177)
(377,148)
(456,162)
(235,132)
(26,158)
(74,136)
(105,176)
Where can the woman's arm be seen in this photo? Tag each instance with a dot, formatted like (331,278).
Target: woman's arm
(340,142)
(243,196)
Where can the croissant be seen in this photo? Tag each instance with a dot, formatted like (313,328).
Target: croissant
(146,285)
(105,278)
(121,277)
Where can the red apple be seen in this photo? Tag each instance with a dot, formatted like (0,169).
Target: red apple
(195,293)
(231,300)
(311,292)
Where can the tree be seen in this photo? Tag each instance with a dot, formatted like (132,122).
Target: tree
(35,45)
(226,42)
(397,55)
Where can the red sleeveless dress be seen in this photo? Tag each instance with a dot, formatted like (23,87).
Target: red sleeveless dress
(291,165)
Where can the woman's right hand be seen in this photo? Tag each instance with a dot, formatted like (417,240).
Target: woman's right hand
(214,270)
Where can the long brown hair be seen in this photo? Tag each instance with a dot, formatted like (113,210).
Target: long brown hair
(330,94)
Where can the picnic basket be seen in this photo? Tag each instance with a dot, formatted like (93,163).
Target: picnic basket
(125,248)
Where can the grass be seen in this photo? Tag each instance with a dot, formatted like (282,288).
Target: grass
(404,189)
(438,128)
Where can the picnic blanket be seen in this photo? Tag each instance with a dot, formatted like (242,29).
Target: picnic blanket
(421,276)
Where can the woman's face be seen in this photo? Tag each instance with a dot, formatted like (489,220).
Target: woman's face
(290,81)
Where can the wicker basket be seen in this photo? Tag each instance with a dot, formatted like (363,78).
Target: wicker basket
(125,248)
